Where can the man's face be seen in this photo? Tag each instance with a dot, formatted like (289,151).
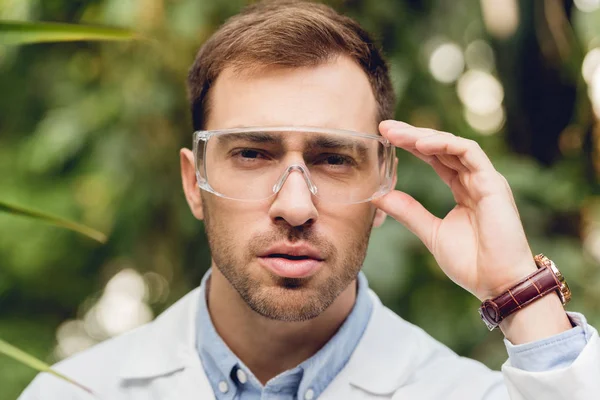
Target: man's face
(247,238)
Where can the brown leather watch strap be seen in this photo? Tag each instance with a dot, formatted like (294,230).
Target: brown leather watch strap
(531,288)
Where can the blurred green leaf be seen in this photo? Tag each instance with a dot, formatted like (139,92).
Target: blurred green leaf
(63,223)
(29,360)
(20,32)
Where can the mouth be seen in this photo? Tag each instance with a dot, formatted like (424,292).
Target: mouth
(286,261)
(289,257)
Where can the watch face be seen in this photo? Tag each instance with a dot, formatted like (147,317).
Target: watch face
(490,326)
(564,292)
(490,314)
(555,270)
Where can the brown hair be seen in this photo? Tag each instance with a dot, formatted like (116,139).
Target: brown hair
(288,34)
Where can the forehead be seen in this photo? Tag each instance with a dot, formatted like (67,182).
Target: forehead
(335,95)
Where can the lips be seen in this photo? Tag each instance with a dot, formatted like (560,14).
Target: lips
(291,261)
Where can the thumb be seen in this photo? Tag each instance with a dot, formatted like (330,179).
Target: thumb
(410,213)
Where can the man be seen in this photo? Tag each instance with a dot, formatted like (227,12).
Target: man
(293,164)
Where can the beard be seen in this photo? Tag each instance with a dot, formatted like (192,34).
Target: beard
(279,298)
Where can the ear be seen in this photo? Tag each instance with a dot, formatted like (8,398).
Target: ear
(379,214)
(190,185)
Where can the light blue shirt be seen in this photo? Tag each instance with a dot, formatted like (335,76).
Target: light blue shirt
(232,380)
(558,351)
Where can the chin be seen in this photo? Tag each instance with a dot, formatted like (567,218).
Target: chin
(288,304)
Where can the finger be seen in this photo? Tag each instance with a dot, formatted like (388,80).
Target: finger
(403,135)
(448,175)
(410,213)
(420,156)
(468,151)
(452,162)
(393,125)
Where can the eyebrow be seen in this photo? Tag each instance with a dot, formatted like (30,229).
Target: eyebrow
(319,142)
(254,137)
(324,142)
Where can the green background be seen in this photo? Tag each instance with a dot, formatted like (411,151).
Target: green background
(91,131)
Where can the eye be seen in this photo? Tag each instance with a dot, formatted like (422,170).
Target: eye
(248,154)
(336,160)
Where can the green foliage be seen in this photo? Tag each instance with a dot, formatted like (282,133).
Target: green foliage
(25,33)
(91,131)
(82,229)
(32,362)
(18,32)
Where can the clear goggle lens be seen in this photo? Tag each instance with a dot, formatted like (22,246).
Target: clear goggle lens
(252,164)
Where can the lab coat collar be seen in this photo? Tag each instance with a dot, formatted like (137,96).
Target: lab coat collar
(383,360)
(168,345)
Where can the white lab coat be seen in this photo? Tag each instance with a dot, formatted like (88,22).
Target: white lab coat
(393,360)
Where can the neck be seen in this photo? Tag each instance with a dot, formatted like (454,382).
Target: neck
(290,343)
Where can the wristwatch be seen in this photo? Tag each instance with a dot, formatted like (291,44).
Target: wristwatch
(546,279)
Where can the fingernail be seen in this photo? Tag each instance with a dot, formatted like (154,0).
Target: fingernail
(390,124)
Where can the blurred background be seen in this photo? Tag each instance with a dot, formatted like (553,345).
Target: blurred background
(91,131)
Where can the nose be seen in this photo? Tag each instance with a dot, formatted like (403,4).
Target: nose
(293,202)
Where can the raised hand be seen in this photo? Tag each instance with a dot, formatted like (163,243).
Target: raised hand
(480,244)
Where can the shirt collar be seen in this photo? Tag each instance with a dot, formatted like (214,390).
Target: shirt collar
(315,373)
(168,344)
(323,367)
(218,360)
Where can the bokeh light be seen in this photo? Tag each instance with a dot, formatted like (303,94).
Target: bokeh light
(480,92)
(486,124)
(591,62)
(122,306)
(587,5)
(479,55)
(592,243)
(594,92)
(71,338)
(446,62)
(501,17)
(158,287)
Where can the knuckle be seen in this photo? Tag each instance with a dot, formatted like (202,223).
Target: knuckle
(488,182)
(502,178)
(472,144)
(409,202)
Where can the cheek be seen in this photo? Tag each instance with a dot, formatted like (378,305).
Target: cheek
(235,221)
(348,223)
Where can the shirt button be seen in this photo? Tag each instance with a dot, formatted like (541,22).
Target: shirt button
(241,375)
(223,387)
(309,395)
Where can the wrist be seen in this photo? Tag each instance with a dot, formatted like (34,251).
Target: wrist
(541,319)
(533,308)
(526,268)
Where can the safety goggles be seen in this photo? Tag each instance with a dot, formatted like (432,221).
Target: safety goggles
(251,164)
